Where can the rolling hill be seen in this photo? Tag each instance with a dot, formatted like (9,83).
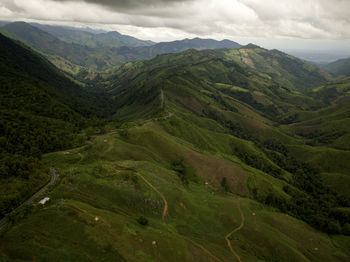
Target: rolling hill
(201,155)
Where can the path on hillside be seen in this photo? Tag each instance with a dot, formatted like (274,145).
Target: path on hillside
(165,209)
(165,212)
(64,151)
(200,246)
(227,237)
(161,98)
(30,200)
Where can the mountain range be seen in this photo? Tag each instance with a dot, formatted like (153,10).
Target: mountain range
(192,150)
(73,50)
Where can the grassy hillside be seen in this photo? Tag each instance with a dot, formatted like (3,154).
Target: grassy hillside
(207,157)
(328,126)
(105,188)
(224,108)
(285,69)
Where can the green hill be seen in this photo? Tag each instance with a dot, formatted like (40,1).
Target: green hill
(203,159)
(340,67)
(285,69)
(209,94)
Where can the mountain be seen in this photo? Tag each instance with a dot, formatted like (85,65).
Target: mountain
(84,38)
(67,56)
(72,57)
(285,69)
(202,155)
(340,67)
(195,43)
(209,92)
(41,111)
(215,69)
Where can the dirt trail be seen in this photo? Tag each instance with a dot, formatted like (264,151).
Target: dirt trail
(165,209)
(64,151)
(165,212)
(30,200)
(162,98)
(201,247)
(227,237)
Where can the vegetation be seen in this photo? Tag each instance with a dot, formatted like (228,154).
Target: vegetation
(182,150)
(339,67)
(41,111)
(142,221)
(77,51)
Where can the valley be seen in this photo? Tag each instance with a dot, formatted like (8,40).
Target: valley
(192,150)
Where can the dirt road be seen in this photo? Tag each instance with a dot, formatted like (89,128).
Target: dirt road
(165,209)
(165,212)
(30,200)
(227,237)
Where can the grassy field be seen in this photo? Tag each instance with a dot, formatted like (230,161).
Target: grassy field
(102,191)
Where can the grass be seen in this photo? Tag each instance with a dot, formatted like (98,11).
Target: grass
(96,203)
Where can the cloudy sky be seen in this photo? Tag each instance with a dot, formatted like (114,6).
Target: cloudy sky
(284,24)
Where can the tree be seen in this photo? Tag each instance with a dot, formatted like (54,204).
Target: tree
(224,185)
(142,221)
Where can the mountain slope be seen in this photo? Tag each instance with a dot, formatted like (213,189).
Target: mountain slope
(73,57)
(340,67)
(41,111)
(194,166)
(214,71)
(285,69)
(57,50)
(207,93)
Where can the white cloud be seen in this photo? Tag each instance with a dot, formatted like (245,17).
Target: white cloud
(173,19)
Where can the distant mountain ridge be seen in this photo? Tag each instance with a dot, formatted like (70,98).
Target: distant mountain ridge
(92,38)
(195,43)
(72,57)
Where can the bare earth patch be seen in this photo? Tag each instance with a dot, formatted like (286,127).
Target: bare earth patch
(213,170)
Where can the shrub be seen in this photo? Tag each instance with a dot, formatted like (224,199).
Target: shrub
(142,221)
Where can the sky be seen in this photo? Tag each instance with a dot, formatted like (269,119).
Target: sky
(282,24)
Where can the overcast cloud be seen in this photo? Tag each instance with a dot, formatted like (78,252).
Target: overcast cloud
(268,22)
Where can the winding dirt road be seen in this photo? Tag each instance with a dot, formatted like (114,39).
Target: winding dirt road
(227,237)
(165,212)
(165,209)
(30,200)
